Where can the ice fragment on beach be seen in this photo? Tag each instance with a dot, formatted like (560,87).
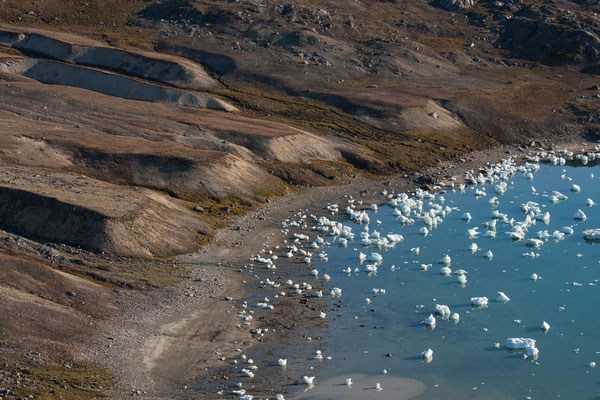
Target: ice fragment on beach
(308,380)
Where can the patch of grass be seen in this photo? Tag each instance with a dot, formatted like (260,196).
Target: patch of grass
(105,20)
(134,274)
(54,380)
(9,51)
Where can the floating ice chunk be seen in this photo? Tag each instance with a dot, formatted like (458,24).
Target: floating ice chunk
(567,230)
(592,234)
(589,202)
(545,218)
(368,300)
(490,225)
(532,352)
(519,343)
(375,257)
(395,237)
(446,260)
(373,207)
(455,317)
(425,267)
(415,250)
(442,309)
(314,272)
(472,232)
(473,248)
(534,243)
(592,364)
(575,188)
(429,321)
(542,235)
(490,234)
(466,216)
(530,254)
(371,268)
(348,381)
(534,277)
(336,292)
(558,235)
(502,297)
(279,397)
(489,255)
(322,314)
(282,362)
(516,234)
(378,387)
(362,256)
(427,354)
(445,271)
(479,301)
(580,215)
(424,231)
(461,279)
(545,326)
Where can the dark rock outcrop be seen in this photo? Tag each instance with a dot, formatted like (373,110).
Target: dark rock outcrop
(456,5)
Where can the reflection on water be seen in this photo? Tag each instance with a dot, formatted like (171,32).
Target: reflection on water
(386,333)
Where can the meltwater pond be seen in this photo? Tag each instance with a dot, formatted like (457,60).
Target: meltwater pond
(470,358)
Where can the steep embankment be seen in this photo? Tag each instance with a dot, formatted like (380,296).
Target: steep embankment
(84,212)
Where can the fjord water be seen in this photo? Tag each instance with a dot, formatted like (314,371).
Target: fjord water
(466,363)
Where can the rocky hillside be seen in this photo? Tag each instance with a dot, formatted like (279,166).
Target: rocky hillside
(131,130)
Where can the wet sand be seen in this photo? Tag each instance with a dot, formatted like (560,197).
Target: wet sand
(363,387)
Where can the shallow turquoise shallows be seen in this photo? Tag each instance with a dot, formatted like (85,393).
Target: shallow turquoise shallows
(467,362)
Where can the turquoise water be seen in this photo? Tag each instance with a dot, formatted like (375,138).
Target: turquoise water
(466,363)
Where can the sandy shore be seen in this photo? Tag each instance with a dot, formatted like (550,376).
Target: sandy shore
(180,342)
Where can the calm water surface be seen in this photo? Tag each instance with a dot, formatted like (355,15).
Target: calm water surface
(466,363)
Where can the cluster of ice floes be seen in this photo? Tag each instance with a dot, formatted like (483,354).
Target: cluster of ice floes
(309,237)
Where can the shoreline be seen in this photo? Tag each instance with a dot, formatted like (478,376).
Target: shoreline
(167,340)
